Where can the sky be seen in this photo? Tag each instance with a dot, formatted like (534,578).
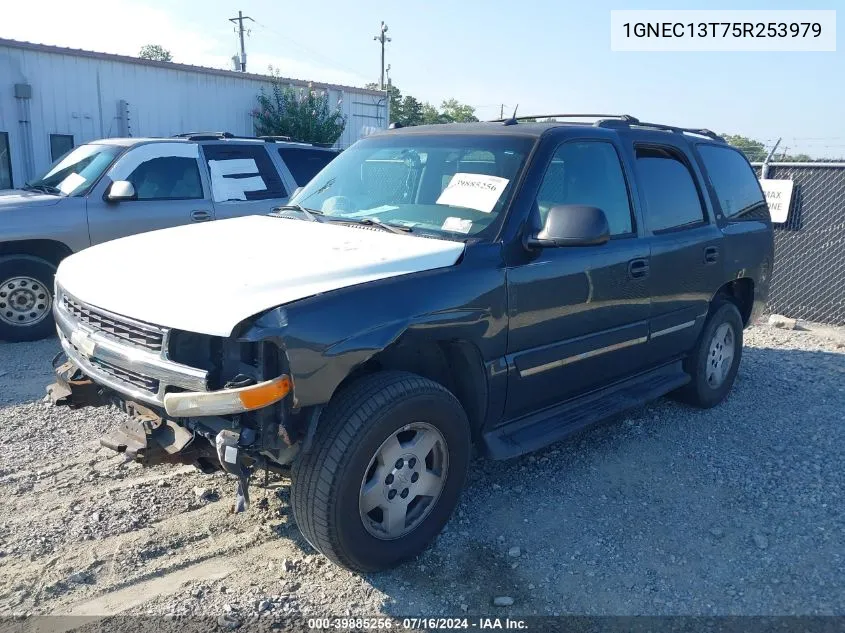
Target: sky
(545,56)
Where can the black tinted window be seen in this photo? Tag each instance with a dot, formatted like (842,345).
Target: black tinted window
(242,172)
(733,179)
(5,162)
(588,173)
(60,144)
(167,178)
(671,196)
(304,164)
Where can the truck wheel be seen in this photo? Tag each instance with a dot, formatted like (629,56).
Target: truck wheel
(26,298)
(714,361)
(388,463)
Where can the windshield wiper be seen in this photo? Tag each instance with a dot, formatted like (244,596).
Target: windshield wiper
(312,215)
(393,228)
(44,189)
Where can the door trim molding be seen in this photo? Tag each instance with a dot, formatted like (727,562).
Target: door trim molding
(674,328)
(530,371)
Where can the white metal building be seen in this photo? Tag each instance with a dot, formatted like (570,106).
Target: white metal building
(53,98)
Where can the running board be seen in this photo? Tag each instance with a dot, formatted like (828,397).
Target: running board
(537,430)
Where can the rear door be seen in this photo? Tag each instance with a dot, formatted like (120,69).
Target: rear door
(244,179)
(169,187)
(686,246)
(578,315)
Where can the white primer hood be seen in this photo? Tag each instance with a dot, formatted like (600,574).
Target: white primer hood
(207,278)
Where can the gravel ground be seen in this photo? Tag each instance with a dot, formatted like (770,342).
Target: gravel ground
(667,510)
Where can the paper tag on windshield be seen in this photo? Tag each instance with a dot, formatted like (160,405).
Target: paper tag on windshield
(473,191)
(458,225)
(70,183)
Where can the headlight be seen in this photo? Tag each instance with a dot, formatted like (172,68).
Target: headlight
(227,401)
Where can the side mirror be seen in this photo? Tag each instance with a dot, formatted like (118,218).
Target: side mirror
(120,191)
(571,225)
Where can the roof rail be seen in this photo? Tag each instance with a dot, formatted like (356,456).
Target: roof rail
(526,117)
(274,138)
(204,136)
(615,123)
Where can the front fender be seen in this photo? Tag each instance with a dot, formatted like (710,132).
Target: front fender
(324,338)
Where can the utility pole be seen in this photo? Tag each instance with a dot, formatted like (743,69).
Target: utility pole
(382,37)
(502,111)
(240,30)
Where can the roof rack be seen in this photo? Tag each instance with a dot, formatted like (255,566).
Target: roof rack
(526,117)
(616,123)
(204,136)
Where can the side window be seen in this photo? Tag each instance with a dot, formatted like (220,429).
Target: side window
(167,178)
(588,172)
(304,164)
(671,197)
(60,144)
(242,172)
(733,179)
(5,162)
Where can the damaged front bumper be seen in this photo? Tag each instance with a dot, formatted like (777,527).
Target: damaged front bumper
(142,434)
(149,438)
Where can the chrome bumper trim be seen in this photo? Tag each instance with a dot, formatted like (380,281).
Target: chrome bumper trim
(168,373)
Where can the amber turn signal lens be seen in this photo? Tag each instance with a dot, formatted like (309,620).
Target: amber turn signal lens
(265,393)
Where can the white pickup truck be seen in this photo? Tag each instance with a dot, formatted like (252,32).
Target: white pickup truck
(121,186)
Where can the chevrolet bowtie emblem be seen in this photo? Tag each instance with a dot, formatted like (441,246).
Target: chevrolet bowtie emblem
(83,343)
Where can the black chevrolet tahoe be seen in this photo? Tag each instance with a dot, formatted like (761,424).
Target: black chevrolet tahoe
(495,285)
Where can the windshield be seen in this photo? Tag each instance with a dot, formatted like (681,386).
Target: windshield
(451,185)
(75,172)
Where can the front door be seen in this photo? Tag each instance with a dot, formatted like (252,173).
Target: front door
(168,187)
(578,315)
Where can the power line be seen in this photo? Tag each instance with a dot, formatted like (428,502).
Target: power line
(240,20)
(311,52)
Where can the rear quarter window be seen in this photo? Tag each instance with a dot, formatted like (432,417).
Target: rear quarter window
(734,182)
(304,164)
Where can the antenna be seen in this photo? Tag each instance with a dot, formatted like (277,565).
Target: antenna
(512,120)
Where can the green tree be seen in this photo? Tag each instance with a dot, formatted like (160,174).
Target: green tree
(304,115)
(408,110)
(457,112)
(431,115)
(156,53)
(755,151)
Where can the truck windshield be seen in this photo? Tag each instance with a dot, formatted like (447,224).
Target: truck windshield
(450,184)
(75,172)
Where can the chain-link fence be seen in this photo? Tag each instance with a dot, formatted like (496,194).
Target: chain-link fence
(808,281)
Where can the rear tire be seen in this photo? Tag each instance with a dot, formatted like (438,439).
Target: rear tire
(714,362)
(388,463)
(26,298)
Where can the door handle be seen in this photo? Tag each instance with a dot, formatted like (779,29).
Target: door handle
(200,215)
(638,268)
(711,254)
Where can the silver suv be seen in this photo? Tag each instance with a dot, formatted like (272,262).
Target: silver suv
(117,187)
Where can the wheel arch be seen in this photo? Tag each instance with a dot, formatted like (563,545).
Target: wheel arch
(454,363)
(51,251)
(740,292)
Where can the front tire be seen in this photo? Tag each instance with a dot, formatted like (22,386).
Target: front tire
(714,362)
(388,463)
(26,298)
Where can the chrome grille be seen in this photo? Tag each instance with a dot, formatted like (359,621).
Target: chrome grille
(133,378)
(139,334)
